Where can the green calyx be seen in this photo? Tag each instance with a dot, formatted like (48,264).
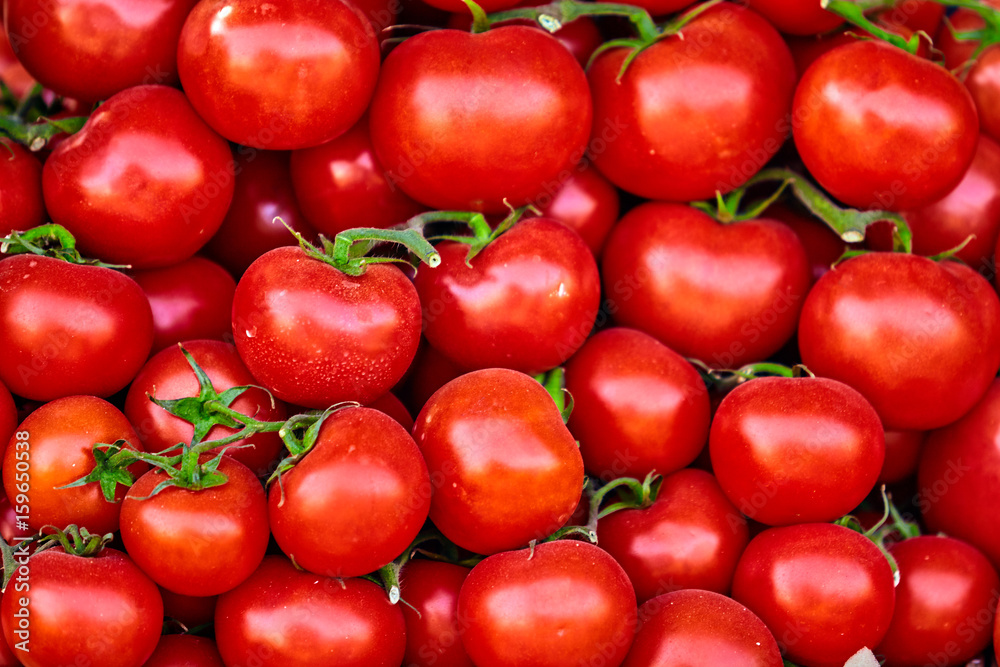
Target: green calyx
(632,494)
(482,234)
(27,120)
(49,240)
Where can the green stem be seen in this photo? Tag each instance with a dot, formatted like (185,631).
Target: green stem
(49,240)
(555,15)
(853,13)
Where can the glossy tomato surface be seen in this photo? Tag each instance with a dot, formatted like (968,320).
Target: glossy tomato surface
(21,204)
(184,651)
(433,632)
(587,203)
(797,17)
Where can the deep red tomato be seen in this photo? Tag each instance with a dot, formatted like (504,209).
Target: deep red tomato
(340,185)
(7,658)
(8,415)
(21,205)
(263,192)
(283,617)
(464,121)
(257,87)
(638,405)
(168,375)
(690,537)
(429,371)
(915,15)
(91,338)
(316,336)
(889,161)
(92,49)
(726,84)
(187,609)
(725,294)
(918,338)
(823,590)
(124,207)
(190,300)
(983,82)
(807,49)
(945,603)
(54,446)
(433,636)
(586,202)
(823,247)
(563,603)
(797,17)
(365,482)
(392,406)
(491,436)
(527,302)
(12,72)
(902,452)
(958,52)
(81,611)
(697,627)
(185,651)
(796,450)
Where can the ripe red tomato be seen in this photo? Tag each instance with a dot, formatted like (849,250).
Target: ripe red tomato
(823,247)
(184,651)
(915,15)
(92,339)
(392,406)
(8,415)
(638,405)
(7,658)
(364,482)
(429,371)
(316,336)
(53,447)
(902,452)
(697,627)
(257,87)
(565,603)
(581,36)
(433,634)
(527,302)
(796,450)
(725,294)
(464,121)
(124,208)
(21,205)
(945,603)
(690,537)
(918,338)
(958,52)
(797,17)
(587,203)
(189,610)
(724,82)
(823,590)
(892,161)
(983,82)
(100,610)
(489,436)
(283,617)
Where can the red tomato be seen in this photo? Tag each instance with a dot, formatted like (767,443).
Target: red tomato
(915,15)
(464,121)
(919,339)
(958,52)
(257,87)
(902,452)
(92,337)
(581,36)
(823,247)
(12,72)
(316,336)
(123,207)
(891,161)
(81,611)
(726,84)
(690,537)
(823,590)
(527,302)
(565,603)
(797,17)
(392,406)
(53,447)
(701,628)
(587,203)
(21,205)
(365,482)
(983,82)
(487,437)
(283,617)
(92,49)
(189,610)
(8,415)
(168,375)
(185,651)
(190,300)
(7,658)
(433,636)
(340,185)
(429,371)
(725,294)
(945,603)
(638,406)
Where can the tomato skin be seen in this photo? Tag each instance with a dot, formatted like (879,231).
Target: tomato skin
(429,371)
(8,415)
(7,658)
(823,247)
(690,537)
(917,338)
(638,405)
(21,204)
(185,651)
(587,203)
(392,406)
(696,627)
(365,482)
(452,123)
(282,617)
(885,167)
(527,302)
(93,338)
(257,88)
(983,83)
(945,603)
(651,128)
(797,17)
(315,336)
(518,609)
(902,453)
(60,440)
(64,628)
(823,590)
(189,610)
(433,638)
(724,294)
(809,448)
(489,434)
(958,52)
